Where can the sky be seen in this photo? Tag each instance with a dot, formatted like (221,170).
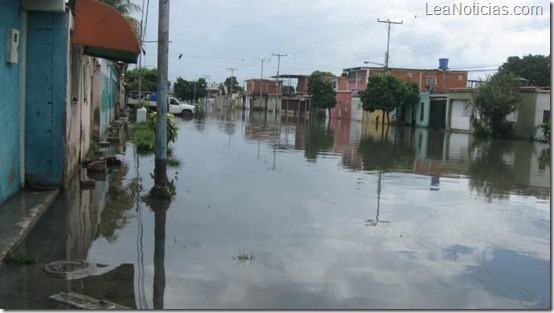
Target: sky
(215,36)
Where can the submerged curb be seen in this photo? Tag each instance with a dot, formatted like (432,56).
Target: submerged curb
(19,214)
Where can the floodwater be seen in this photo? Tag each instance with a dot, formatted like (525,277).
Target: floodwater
(282,213)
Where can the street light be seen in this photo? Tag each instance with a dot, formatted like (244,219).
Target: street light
(369,62)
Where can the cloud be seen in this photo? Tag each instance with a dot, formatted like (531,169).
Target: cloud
(214,35)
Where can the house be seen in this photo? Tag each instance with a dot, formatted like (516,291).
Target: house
(533,110)
(262,94)
(48,82)
(297,102)
(433,85)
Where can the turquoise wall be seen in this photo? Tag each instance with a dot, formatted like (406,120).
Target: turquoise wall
(422,110)
(9,104)
(109,96)
(46,94)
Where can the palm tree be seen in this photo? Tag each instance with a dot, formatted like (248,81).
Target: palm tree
(126,8)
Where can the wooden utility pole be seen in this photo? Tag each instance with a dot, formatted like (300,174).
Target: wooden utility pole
(160,170)
(388,41)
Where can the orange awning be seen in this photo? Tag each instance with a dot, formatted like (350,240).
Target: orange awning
(104,32)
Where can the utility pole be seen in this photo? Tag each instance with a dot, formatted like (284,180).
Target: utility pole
(261,78)
(388,41)
(232,71)
(278,65)
(160,170)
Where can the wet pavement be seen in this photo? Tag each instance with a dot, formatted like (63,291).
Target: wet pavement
(286,213)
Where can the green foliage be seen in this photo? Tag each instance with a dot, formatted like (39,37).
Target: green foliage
(143,135)
(489,173)
(535,68)
(143,104)
(386,93)
(149,79)
(288,89)
(318,139)
(127,8)
(173,162)
(494,100)
(236,86)
(18,258)
(320,89)
(152,122)
(544,158)
(190,90)
(546,130)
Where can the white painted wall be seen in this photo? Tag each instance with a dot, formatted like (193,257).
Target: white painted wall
(461,115)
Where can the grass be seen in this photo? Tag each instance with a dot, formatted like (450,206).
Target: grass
(143,137)
(18,258)
(173,162)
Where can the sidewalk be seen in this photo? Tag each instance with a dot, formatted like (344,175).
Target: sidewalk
(18,215)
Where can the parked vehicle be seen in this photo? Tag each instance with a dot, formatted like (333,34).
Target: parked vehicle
(176,107)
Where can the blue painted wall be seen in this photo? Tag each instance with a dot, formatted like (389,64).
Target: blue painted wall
(46,94)
(9,105)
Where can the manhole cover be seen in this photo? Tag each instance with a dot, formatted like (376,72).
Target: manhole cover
(70,269)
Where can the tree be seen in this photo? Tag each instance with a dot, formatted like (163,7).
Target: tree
(288,89)
(320,89)
(149,79)
(127,8)
(386,93)
(236,85)
(190,90)
(494,100)
(535,68)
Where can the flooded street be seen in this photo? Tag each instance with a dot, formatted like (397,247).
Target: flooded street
(286,213)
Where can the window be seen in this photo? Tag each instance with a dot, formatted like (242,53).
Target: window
(409,74)
(546,116)
(460,77)
(421,112)
(431,81)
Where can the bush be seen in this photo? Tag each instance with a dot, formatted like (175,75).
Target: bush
(143,135)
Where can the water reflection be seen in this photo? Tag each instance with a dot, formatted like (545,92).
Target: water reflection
(250,183)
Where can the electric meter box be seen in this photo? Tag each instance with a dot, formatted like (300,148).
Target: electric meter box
(12,45)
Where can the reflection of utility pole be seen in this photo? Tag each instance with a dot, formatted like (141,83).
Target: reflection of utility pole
(160,214)
(376,221)
(388,41)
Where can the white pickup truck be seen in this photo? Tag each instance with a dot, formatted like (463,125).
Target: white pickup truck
(175,106)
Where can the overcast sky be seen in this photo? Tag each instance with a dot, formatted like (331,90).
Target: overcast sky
(330,35)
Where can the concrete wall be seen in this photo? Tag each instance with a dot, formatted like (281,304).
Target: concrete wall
(46,96)
(543,108)
(78,110)
(10,104)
